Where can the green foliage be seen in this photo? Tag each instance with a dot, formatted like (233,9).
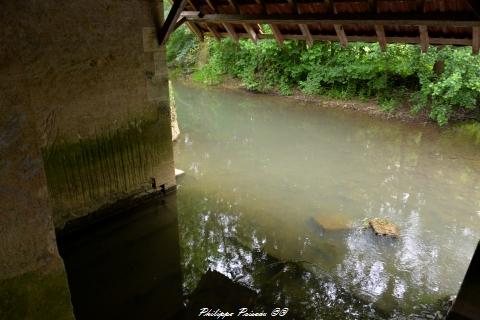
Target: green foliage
(182,50)
(400,76)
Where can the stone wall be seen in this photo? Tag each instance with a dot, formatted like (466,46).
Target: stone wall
(100,97)
(84,122)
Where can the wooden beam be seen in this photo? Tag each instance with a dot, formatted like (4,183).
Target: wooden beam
(231,31)
(251,32)
(306,33)
(234,5)
(213,30)
(475,40)
(395,19)
(212,6)
(475,5)
(321,37)
(423,38)
(277,34)
(342,37)
(179,22)
(169,24)
(382,40)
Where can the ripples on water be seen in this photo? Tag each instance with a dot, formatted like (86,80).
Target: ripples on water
(260,170)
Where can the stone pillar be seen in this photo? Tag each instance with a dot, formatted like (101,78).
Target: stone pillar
(33,283)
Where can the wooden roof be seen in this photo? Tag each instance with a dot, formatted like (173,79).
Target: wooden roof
(426,22)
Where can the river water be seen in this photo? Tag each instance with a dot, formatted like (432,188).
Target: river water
(276,193)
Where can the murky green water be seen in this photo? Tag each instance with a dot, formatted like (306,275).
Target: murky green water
(262,173)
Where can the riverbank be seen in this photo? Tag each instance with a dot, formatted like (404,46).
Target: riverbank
(367,106)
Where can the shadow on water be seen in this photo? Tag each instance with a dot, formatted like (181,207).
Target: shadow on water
(130,267)
(126,267)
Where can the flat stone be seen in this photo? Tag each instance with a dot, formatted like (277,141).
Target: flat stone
(383,227)
(334,221)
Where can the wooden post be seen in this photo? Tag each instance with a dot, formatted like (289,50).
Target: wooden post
(423,38)
(342,37)
(382,40)
(475,40)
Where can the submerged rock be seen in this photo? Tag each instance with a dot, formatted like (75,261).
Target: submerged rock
(383,227)
(332,222)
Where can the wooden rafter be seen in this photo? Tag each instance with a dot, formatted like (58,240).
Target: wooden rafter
(342,37)
(475,5)
(277,34)
(212,6)
(234,5)
(191,25)
(251,32)
(322,37)
(382,40)
(231,31)
(169,24)
(306,33)
(475,40)
(424,41)
(413,19)
(213,30)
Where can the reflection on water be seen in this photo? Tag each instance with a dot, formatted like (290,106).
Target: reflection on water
(276,192)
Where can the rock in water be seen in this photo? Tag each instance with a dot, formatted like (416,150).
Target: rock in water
(383,227)
(332,222)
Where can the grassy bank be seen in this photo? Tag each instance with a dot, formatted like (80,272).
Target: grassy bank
(443,84)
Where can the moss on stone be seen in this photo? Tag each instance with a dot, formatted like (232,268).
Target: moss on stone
(35,296)
(88,173)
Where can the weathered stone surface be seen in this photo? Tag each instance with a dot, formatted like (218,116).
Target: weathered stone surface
(28,252)
(81,67)
(39,295)
(383,227)
(80,97)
